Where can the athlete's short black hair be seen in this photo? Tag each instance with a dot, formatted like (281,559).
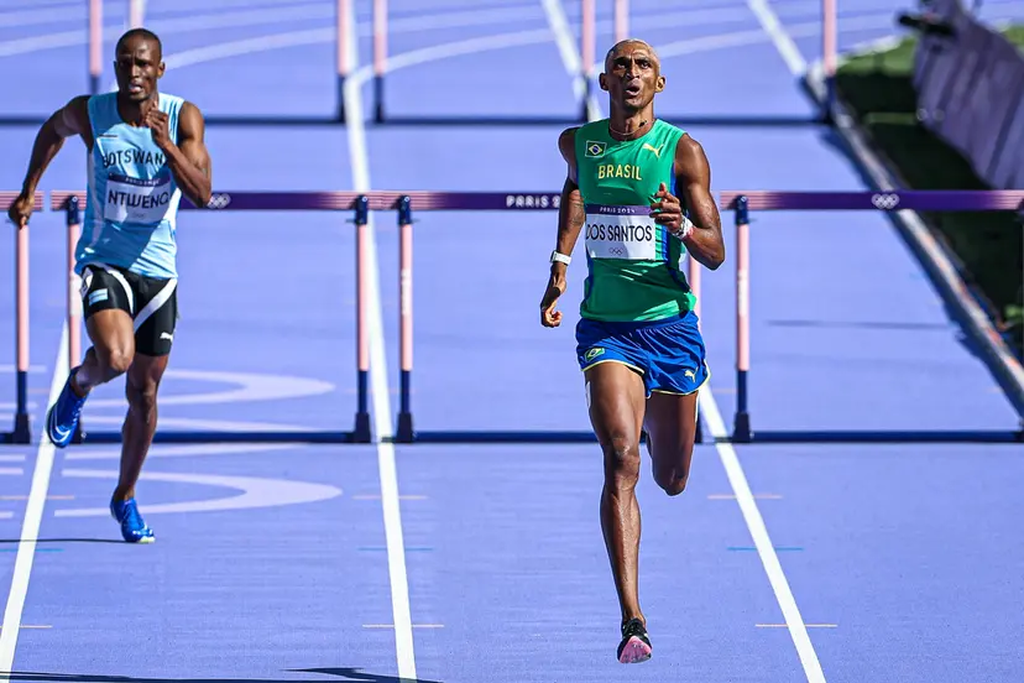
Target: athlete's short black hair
(141,33)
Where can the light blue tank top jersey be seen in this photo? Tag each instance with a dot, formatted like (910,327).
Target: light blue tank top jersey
(132,203)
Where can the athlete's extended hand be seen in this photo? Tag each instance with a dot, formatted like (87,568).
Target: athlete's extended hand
(549,317)
(21,209)
(157,121)
(668,212)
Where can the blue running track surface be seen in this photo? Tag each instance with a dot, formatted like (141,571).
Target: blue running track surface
(472,563)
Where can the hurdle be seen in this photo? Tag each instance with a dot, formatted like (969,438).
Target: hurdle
(71,202)
(21,433)
(404,203)
(740,203)
(589,65)
(621,22)
(136,18)
(1004,366)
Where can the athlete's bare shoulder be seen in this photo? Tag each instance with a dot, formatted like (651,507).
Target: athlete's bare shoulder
(567,146)
(191,123)
(567,143)
(73,119)
(690,158)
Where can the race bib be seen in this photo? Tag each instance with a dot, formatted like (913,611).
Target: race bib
(131,200)
(621,232)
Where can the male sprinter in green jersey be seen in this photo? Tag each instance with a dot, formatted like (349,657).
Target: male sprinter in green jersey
(638,343)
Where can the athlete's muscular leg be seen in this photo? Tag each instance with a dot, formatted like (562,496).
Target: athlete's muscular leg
(140,424)
(671,426)
(113,337)
(616,396)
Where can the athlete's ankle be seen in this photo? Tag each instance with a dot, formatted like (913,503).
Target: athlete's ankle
(77,388)
(629,616)
(123,494)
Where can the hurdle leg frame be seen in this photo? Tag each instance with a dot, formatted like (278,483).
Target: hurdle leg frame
(380,56)
(404,432)
(73,221)
(361,432)
(22,432)
(741,422)
(343,15)
(587,43)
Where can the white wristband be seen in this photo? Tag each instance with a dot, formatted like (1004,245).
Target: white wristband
(560,258)
(685,229)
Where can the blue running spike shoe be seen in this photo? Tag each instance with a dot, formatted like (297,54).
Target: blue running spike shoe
(62,418)
(133,529)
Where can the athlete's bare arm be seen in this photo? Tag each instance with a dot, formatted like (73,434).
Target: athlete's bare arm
(570,221)
(189,160)
(693,173)
(71,119)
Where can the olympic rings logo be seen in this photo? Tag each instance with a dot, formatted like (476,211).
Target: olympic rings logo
(219,201)
(886,202)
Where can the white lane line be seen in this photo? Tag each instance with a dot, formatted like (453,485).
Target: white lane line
(30,527)
(565,40)
(359,160)
(783,42)
(763,543)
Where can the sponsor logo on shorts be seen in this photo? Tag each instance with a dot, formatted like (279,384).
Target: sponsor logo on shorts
(167,335)
(690,374)
(99,296)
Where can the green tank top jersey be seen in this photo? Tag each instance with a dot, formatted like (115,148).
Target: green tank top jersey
(634,265)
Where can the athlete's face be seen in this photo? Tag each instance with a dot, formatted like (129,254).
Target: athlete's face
(138,67)
(632,75)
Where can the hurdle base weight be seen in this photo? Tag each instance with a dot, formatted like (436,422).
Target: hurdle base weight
(405,433)
(22,433)
(741,428)
(361,433)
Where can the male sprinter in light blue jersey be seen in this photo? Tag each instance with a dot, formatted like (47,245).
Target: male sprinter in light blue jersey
(145,148)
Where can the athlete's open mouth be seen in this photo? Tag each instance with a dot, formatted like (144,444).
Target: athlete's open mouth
(633,89)
(134,87)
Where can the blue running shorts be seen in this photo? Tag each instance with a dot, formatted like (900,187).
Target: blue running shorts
(669,354)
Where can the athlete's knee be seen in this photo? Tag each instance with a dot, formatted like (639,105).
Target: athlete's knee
(621,460)
(115,359)
(142,399)
(672,477)
(672,483)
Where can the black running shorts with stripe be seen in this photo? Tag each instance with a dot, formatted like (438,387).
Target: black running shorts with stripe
(151,302)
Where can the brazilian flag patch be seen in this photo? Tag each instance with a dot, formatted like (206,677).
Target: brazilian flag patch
(595,149)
